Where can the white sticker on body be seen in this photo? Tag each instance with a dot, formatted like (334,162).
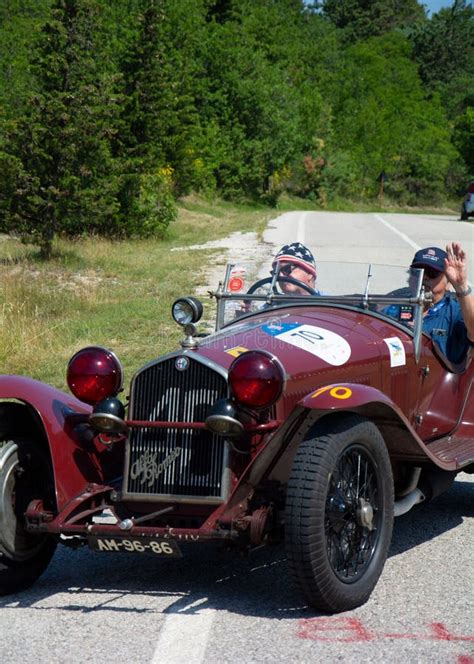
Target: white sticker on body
(397,352)
(327,345)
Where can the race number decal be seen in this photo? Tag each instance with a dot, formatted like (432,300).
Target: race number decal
(397,352)
(327,345)
(337,392)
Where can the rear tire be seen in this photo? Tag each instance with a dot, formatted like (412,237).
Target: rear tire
(339,514)
(25,474)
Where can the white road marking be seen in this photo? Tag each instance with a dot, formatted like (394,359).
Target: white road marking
(397,232)
(300,232)
(402,235)
(184,636)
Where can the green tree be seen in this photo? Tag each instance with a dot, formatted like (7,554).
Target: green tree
(59,150)
(386,122)
(260,95)
(160,124)
(20,21)
(444,50)
(159,119)
(360,19)
(463,137)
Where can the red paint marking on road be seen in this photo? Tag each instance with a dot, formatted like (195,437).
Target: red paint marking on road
(441,633)
(315,629)
(351,630)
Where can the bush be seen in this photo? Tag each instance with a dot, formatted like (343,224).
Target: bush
(154,207)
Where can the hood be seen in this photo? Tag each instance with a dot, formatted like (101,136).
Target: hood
(304,338)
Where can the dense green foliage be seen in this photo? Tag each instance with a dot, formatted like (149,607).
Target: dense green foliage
(360,19)
(61,146)
(110,111)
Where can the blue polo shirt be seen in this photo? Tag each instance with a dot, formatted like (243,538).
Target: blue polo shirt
(445,325)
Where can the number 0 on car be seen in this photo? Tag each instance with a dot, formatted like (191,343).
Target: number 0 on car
(165,548)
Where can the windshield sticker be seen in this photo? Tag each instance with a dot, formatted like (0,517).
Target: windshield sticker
(338,392)
(236,284)
(327,345)
(235,352)
(275,327)
(397,352)
(237,279)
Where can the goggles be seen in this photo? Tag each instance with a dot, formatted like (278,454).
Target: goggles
(287,269)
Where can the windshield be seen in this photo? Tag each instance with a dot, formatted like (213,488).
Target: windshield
(390,291)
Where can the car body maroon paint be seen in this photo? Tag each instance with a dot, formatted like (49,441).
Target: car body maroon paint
(367,420)
(52,407)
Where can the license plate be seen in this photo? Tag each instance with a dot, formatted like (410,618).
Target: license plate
(165,548)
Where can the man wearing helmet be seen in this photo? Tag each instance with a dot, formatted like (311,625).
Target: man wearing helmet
(296,262)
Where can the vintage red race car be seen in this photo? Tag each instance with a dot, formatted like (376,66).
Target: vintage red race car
(315,419)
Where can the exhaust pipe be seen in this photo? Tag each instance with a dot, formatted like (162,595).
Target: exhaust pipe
(407,502)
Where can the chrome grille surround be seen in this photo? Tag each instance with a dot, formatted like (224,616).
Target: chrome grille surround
(187,465)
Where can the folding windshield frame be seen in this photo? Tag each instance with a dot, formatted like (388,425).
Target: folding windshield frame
(361,301)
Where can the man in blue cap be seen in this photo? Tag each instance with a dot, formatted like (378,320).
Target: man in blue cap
(449,319)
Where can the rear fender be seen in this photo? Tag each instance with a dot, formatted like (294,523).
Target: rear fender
(40,412)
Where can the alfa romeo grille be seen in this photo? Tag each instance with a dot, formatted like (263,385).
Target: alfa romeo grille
(176,462)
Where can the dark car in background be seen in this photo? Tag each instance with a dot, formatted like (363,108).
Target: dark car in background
(467,209)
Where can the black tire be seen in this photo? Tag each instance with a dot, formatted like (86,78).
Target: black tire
(339,514)
(25,475)
(464,214)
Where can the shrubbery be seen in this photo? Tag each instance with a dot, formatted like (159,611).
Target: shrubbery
(126,106)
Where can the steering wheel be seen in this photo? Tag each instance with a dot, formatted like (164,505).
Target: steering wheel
(286,280)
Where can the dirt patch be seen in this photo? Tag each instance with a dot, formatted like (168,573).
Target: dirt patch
(236,248)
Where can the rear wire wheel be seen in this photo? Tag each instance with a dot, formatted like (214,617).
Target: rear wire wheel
(339,514)
(25,475)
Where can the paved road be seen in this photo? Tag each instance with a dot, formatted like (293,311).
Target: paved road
(213,607)
(389,239)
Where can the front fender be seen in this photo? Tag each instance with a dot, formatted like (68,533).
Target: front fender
(75,461)
(331,401)
(346,396)
(398,432)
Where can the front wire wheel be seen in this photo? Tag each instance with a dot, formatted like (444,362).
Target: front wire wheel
(339,514)
(25,475)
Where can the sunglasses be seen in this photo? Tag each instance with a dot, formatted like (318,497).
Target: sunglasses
(286,270)
(431,273)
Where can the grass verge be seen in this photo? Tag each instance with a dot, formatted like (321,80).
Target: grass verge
(114,294)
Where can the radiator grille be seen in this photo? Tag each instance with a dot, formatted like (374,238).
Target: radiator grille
(177,462)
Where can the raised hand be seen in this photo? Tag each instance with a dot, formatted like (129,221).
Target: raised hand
(456,266)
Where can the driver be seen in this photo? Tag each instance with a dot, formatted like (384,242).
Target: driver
(296,261)
(449,318)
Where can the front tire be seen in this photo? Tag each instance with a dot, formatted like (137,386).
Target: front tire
(25,474)
(339,514)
